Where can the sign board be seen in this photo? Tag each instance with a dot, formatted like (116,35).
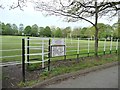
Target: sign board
(58,47)
(58,42)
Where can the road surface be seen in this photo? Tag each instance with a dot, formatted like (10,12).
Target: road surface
(105,78)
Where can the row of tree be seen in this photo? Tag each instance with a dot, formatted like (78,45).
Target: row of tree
(105,31)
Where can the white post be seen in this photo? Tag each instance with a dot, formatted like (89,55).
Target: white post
(104,45)
(88,46)
(42,53)
(78,46)
(111,45)
(117,45)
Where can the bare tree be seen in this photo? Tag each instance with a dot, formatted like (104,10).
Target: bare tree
(75,10)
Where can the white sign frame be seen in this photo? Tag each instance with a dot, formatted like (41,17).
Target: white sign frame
(58,48)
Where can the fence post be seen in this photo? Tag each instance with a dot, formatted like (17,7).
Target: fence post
(23,59)
(104,46)
(78,49)
(111,46)
(49,55)
(117,46)
(25,46)
(65,49)
(88,46)
(28,50)
(42,53)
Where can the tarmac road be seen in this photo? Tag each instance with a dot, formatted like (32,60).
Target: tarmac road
(105,78)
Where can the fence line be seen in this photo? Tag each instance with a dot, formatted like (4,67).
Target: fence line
(77,46)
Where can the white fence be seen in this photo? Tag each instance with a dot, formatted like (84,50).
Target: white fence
(73,46)
(40,48)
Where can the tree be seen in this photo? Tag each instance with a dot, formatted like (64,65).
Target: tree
(47,31)
(66,32)
(34,30)
(53,29)
(89,32)
(8,29)
(21,29)
(58,32)
(83,31)
(15,29)
(76,32)
(75,10)
(105,30)
(115,33)
(116,29)
(41,31)
(3,28)
(27,30)
(109,30)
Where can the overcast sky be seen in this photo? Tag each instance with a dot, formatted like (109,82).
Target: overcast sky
(29,17)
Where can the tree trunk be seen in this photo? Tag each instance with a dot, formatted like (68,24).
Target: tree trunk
(96,30)
(96,41)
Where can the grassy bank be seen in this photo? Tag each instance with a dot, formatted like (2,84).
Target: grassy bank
(72,66)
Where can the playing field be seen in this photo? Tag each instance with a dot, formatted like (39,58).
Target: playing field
(12,48)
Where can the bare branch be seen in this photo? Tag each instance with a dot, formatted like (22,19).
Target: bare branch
(20,4)
(1,6)
(78,9)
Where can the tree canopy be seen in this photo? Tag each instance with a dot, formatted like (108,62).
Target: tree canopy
(27,30)
(75,10)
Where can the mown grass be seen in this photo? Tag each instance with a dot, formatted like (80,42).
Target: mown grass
(15,42)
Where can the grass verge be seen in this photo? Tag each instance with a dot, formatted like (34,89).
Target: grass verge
(73,67)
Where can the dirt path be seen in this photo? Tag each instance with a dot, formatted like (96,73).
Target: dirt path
(106,78)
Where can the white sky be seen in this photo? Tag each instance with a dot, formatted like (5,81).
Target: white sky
(29,17)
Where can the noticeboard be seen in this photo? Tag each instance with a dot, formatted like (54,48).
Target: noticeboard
(58,47)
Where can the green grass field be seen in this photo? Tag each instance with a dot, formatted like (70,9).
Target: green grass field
(11,46)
